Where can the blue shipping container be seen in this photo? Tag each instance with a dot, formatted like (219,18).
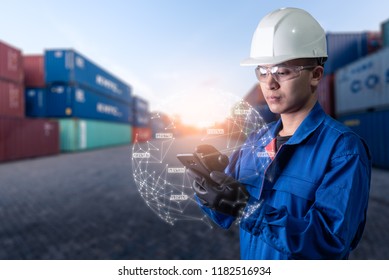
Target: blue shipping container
(141,119)
(364,84)
(70,67)
(140,104)
(159,123)
(35,102)
(141,112)
(385,33)
(76,101)
(373,128)
(344,48)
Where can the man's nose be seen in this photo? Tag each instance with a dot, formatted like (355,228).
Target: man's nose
(270,82)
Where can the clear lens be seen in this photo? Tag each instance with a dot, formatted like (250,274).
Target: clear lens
(279,72)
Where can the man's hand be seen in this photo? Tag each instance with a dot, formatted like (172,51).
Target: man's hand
(223,194)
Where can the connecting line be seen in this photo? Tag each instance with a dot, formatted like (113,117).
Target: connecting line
(164,154)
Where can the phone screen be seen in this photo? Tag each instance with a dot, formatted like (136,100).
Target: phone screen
(191,161)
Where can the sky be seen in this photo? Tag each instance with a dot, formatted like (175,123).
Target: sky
(170,50)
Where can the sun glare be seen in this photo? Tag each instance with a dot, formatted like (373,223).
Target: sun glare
(202,108)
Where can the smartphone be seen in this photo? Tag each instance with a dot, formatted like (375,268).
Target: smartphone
(193,162)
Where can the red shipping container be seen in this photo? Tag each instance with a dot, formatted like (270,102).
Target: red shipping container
(325,94)
(26,138)
(34,71)
(141,134)
(374,42)
(11,63)
(11,99)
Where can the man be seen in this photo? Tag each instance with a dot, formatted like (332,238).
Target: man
(303,182)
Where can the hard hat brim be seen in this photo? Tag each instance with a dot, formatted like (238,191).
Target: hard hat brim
(272,60)
(265,60)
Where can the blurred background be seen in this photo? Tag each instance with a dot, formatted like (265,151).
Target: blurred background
(82,82)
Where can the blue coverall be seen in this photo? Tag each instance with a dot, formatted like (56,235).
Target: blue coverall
(308,200)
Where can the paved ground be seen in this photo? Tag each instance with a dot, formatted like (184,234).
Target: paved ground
(86,206)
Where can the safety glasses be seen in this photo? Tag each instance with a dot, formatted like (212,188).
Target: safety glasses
(280,73)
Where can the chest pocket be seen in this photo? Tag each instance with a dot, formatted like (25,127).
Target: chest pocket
(296,187)
(251,169)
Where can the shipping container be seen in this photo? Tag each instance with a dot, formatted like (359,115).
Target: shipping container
(160,123)
(25,138)
(325,94)
(68,66)
(11,63)
(374,42)
(140,105)
(11,99)
(141,134)
(84,134)
(344,48)
(141,114)
(34,72)
(364,84)
(141,119)
(35,99)
(373,128)
(74,101)
(385,33)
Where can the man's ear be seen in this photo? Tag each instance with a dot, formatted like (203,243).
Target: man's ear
(317,75)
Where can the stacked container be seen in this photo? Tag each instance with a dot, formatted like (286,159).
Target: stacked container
(11,82)
(88,101)
(364,84)
(20,137)
(141,130)
(81,134)
(325,94)
(160,123)
(373,128)
(344,48)
(74,101)
(385,33)
(362,101)
(70,67)
(34,81)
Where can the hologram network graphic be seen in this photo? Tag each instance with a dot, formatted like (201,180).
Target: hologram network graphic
(161,179)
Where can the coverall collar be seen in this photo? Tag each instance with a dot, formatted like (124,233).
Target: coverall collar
(308,126)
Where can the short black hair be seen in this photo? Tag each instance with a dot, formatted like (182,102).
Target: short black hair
(321,61)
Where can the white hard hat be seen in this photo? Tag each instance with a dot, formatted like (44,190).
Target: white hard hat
(286,34)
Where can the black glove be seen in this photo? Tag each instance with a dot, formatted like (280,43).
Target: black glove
(223,194)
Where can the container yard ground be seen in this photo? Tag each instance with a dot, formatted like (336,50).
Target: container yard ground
(86,206)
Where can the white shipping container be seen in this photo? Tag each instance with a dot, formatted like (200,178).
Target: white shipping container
(363,85)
